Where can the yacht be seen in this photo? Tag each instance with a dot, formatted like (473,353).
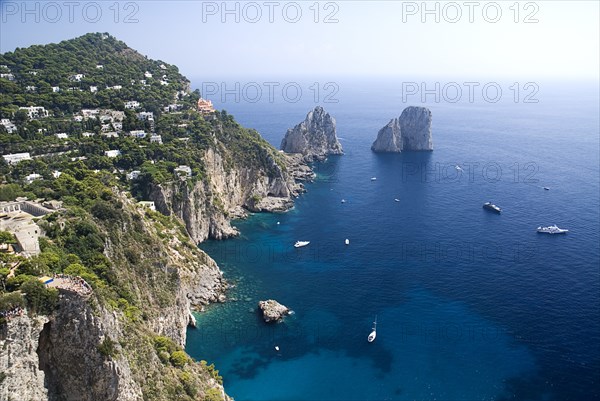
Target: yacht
(343,200)
(347,242)
(373,334)
(396,200)
(373,178)
(546,188)
(300,244)
(552,230)
(491,207)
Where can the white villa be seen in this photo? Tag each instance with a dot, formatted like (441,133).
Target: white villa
(112,153)
(35,111)
(14,158)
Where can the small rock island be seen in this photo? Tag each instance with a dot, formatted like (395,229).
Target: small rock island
(411,131)
(314,138)
(273,311)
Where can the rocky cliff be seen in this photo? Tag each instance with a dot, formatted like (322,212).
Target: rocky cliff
(411,131)
(314,138)
(228,191)
(104,346)
(388,138)
(22,380)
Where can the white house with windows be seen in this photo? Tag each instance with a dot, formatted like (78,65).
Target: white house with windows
(76,77)
(138,134)
(93,89)
(55,89)
(35,111)
(8,125)
(111,134)
(133,175)
(156,139)
(132,104)
(146,115)
(62,135)
(147,74)
(87,134)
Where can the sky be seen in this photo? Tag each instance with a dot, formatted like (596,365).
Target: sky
(466,39)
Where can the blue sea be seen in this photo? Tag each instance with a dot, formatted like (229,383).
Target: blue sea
(470,305)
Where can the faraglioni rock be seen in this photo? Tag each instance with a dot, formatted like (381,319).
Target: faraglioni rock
(314,138)
(273,311)
(412,131)
(388,138)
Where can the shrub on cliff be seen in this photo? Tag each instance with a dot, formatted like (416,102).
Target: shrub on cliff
(39,299)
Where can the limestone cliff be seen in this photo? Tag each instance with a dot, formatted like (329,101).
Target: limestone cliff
(207,206)
(22,380)
(411,131)
(314,138)
(388,138)
(102,347)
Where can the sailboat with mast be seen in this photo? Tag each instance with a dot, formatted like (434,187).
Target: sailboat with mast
(373,334)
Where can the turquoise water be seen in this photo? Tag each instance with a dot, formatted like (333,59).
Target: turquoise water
(470,305)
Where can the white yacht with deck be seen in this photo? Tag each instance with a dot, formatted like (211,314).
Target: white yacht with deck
(300,244)
(552,230)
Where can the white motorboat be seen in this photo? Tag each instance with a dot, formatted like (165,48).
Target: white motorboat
(396,200)
(347,242)
(343,200)
(552,230)
(373,334)
(373,178)
(300,244)
(491,207)
(459,168)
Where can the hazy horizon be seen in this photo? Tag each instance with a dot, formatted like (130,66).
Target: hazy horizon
(471,40)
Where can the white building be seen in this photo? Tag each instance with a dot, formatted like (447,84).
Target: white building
(112,153)
(133,175)
(116,87)
(10,127)
(35,111)
(186,170)
(78,118)
(148,205)
(147,74)
(93,89)
(14,158)
(8,76)
(164,83)
(118,126)
(76,77)
(32,177)
(90,113)
(139,134)
(62,135)
(56,89)
(30,88)
(156,139)
(132,104)
(112,134)
(163,67)
(56,174)
(99,67)
(146,115)
(87,134)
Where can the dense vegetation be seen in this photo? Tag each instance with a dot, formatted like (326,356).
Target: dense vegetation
(101,235)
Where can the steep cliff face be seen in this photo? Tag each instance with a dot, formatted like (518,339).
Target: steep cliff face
(314,138)
(415,125)
(412,131)
(22,378)
(388,138)
(207,206)
(69,356)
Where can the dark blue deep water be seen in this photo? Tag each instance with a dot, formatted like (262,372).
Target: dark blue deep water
(470,305)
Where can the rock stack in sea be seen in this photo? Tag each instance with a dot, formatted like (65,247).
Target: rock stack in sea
(273,311)
(411,131)
(314,138)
